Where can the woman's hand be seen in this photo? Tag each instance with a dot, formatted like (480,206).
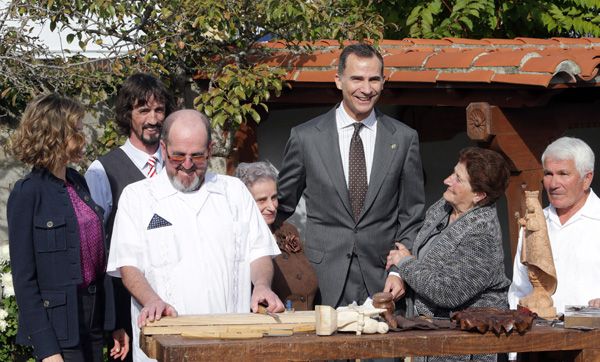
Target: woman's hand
(54,358)
(395,256)
(121,348)
(594,303)
(395,285)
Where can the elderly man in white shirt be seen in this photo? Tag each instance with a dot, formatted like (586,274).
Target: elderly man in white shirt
(190,241)
(573,220)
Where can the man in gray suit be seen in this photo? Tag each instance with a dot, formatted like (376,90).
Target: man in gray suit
(361,176)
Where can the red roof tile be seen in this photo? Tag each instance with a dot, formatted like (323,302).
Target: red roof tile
(421,76)
(538,41)
(408,59)
(314,76)
(546,64)
(460,59)
(428,41)
(479,76)
(524,79)
(496,42)
(512,58)
(521,61)
(581,41)
(463,41)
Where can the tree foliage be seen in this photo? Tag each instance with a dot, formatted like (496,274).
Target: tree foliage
(175,39)
(491,19)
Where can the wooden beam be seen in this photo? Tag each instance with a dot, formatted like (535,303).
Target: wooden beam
(518,136)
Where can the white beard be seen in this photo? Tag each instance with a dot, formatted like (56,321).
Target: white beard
(193,186)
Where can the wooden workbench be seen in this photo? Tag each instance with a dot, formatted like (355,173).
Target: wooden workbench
(580,345)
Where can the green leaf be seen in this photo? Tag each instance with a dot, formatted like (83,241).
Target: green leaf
(413,17)
(239,91)
(255,116)
(219,119)
(467,22)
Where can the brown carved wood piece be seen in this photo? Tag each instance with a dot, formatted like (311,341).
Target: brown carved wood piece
(536,254)
(386,300)
(499,321)
(479,120)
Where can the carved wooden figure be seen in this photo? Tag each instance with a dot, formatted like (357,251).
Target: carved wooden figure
(536,254)
(352,318)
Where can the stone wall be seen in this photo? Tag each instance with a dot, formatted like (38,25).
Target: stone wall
(11,172)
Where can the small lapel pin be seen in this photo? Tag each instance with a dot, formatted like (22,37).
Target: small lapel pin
(393,146)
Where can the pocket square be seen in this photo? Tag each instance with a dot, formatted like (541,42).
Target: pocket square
(158,222)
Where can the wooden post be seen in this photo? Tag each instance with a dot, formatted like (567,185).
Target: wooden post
(521,141)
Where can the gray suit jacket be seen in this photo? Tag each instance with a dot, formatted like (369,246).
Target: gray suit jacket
(393,209)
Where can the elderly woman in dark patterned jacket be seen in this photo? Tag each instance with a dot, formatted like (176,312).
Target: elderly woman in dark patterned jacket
(457,257)
(294,280)
(56,240)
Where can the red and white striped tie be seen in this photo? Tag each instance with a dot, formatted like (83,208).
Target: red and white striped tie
(152,163)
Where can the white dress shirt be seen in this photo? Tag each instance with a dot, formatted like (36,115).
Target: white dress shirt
(367,134)
(98,181)
(576,253)
(194,249)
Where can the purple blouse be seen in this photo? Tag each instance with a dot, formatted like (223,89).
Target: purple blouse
(90,236)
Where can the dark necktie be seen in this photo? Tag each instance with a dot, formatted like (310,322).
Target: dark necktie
(357,184)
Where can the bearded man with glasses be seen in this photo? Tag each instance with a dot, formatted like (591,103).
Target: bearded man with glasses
(190,241)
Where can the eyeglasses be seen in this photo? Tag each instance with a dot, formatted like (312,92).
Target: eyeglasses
(197,158)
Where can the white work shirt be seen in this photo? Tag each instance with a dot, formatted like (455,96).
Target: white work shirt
(97,181)
(345,130)
(576,253)
(201,262)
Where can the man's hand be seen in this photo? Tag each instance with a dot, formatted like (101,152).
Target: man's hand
(261,274)
(154,310)
(395,285)
(121,348)
(263,294)
(594,303)
(396,255)
(140,289)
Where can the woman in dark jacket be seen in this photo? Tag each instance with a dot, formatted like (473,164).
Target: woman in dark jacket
(457,257)
(56,238)
(294,278)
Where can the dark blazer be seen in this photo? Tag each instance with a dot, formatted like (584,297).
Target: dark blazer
(464,267)
(45,261)
(393,209)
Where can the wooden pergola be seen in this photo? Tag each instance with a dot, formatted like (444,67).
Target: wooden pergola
(511,95)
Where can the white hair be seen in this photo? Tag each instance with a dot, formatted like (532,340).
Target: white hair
(570,148)
(250,173)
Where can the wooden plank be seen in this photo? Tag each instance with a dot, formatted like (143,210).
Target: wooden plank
(582,317)
(294,327)
(224,335)
(235,318)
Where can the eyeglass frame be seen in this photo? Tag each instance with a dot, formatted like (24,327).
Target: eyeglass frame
(195,158)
